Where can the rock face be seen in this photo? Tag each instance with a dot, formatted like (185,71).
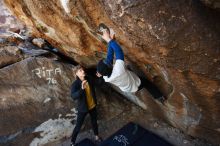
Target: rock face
(212,3)
(175,44)
(9,55)
(38,42)
(8,21)
(32,87)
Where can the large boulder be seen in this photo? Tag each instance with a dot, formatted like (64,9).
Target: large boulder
(175,44)
(36,107)
(32,91)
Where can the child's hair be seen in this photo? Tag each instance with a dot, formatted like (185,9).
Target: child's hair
(76,68)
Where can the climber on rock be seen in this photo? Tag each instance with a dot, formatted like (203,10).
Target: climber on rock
(83,91)
(118,74)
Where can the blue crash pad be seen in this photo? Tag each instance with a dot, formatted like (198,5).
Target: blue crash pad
(134,135)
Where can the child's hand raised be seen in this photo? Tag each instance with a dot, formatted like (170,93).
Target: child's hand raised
(84,83)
